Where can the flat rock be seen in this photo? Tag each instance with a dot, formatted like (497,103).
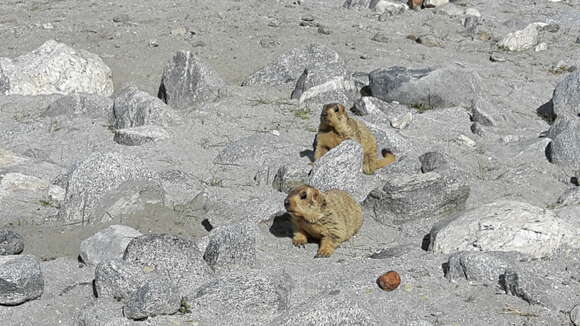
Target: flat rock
(55,68)
(20,279)
(140,135)
(82,104)
(107,244)
(11,243)
(134,108)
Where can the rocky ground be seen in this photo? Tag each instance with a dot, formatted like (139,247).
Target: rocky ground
(146,149)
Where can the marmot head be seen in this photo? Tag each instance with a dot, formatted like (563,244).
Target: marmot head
(333,114)
(305,202)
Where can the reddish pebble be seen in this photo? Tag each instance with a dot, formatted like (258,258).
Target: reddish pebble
(389,281)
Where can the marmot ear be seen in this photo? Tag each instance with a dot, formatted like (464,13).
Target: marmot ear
(341,108)
(318,198)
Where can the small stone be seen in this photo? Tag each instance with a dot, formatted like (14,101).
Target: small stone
(47,26)
(179,31)
(11,243)
(274,23)
(541,47)
(415,4)
(552,28)
(494,57)
(308,24)
(324,30)
(575,315)
(153,43)
(484,36)
(269,43)
(380,37)
(199,44)
(308,18)
(578,40)
(389,281)
(472,12)
(122,18)
(20,279)
(429,41)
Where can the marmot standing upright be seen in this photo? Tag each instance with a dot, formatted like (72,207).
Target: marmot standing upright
(336,126)
(331,217)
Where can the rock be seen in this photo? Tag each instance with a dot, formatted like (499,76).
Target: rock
(472,12)
(446,87)
(433,161)
(232,245)
(291,176)
(122,18)
(187,82)
(325,30)
(541,47)
(569,198)
(155,297)
(11,243)
(119,279)
(55,68)
(485,267)
(267,43)
(388,8)
(521,40)
(564,150)
(341,168)
(170,256)
(566,97)
(248,294)
(419,196)
(350,4)
(451,10)
(107,244)
(27,199)
(106,185)
(471,23)
(429,40)
(140,135)
(102,312)
(525,286)
(434,3)
(288,67)
(82,104)
(337,90)
(20,279)
(575,315)
(398,116)
(381,38)
(134,108)
(504,226)
(327,311)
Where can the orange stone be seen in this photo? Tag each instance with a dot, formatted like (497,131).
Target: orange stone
(415,4)
(389,281)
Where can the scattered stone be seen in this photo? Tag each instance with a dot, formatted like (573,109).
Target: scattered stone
(388,8)
(578,40)
(187,81)
(267,43)
(471,23)
(389,281)
(521,40)
(485,267)
(11,243)
(381,38)
(153,43)
(122,18)
(135,108)
(569,197)
(119,279)
(504,226)
(434,3)
(429,41)
(541,47)
(496,57)
(308,18)
(82,104)
(397,251)
(107,244)
(472,12)
(47,26)
(433,161)
(179,31)
(232,245)
(106,185)
(155,297)
(140,135)
(325,30)
(55,68)
(551,27)
(20,279)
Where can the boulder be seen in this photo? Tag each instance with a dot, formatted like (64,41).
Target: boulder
(102,312)
(11,243)
(20,279)
(521,40)
(232,245)
(290,176)
(504,226)
(187,81)
(119,279)
(155,297)
(566,97)
(82,104)
(135,108)
(55,68)
(107,244)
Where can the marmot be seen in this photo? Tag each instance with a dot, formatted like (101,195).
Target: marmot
(336,126)
(331,217)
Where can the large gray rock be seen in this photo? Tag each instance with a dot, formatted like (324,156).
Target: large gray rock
(140,135)
(376,110)
(504,226)
(11,243)
(417,196)
(55,68)
(187,81)
(338,89)
(82,104)
(102,312)
(523,39)
(426,88)
(20,279)
(289,66)
(27,199)
(291,176)
(107,244)
(485,267)
(106,185)
(327,311)
(232,246)
(566,97)
(155,297)
(171,256)
(134,108)
(564,150)
(569,197)
(341,168)
(119,279)
(249,293)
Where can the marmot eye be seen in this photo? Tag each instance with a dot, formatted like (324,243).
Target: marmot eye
(303,196)
(336,109)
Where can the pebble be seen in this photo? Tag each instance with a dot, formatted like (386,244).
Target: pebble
(541,47)
(389,281)
(324,30)
(122,18)
(494,57)
(429,41)
(380,37)
(153,43)
(47,26)
(269,43)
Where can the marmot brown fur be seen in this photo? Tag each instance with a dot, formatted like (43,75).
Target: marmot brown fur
(331,217)
(336,126)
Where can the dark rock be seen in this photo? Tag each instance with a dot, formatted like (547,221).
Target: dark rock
(11,243)
(155,297)
(20,279)
(134,108)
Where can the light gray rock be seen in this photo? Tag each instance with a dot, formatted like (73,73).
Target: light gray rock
(155,297)
(102,312)
(566,97)
(564,150)
(450,9)
(569,197)
(106,185)
(504,226)
(575,315)
(170,256)
(327,311)
(434,3)
(522,284)
(339,89)
(289,66)
(28,199)
(119,279)
(232,246)
(55,68)
(134,108)
(82,104)
(291,176)
(11,243)
(107,244)
(187,81)
(341,168)
(426,88)
(389,8)
(351,4)
(378,111)
(418,196)
(20,279)
(140,135)
(249,293)
(521,40)
(485,267)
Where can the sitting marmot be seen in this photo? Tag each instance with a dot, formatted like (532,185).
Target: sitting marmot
(331,217)
(336,126)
